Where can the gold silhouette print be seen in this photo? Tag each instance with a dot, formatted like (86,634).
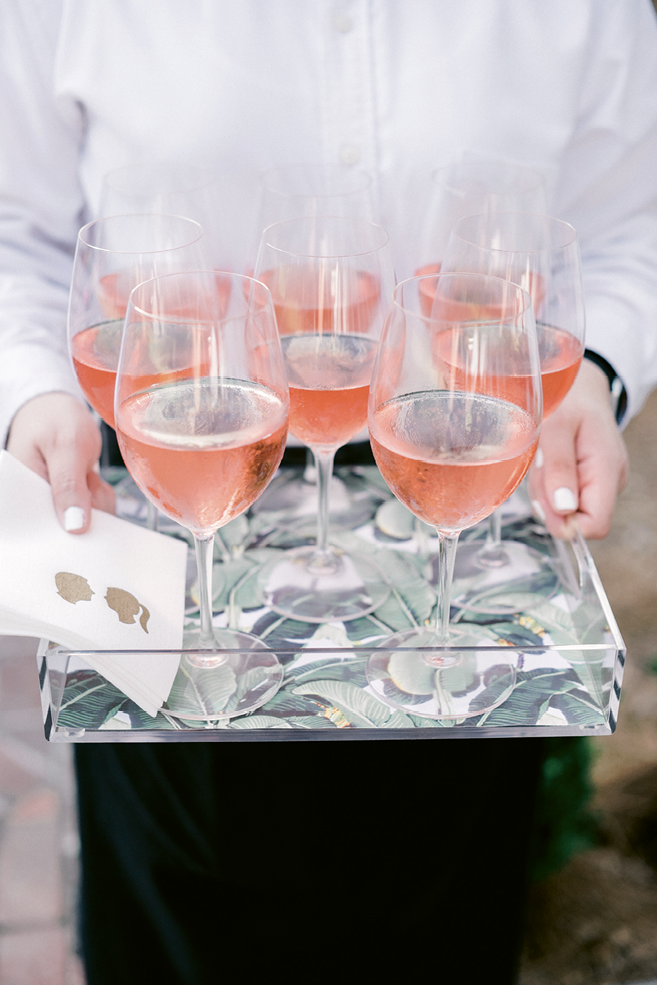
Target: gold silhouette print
(73,588)
(127,606)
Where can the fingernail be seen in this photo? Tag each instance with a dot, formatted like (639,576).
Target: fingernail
(539,512)
(73,518)
(565,500)
(538,459)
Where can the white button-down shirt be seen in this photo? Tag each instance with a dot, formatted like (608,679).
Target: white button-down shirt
(395,87)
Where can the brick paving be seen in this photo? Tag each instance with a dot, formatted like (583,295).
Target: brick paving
(38,836)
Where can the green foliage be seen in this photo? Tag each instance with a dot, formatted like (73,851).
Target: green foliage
(564,824)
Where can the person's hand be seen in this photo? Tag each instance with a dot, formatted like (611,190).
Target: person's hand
(581,465)
(56,436)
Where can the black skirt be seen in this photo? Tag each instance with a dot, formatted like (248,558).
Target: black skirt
(391,860)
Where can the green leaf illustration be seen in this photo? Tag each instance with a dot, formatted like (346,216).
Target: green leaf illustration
(411,674)
(251,680)
(225,576)
(209,690)
(234,533)
(352,671)
(357,706)
(531,696)
(577,708)
(311,722)
(398,720)
(89,701)
(258,721)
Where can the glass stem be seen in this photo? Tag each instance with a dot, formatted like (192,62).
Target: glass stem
(204,566)
(310,470)
(152,517)
(493,553)
(494,535)
(446,557)
(324,465)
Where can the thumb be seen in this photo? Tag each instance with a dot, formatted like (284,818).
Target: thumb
(554,483)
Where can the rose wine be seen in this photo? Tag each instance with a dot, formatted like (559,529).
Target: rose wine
(329,378)
(114,294)
(427,287)
(306,302)
(452,458)
(560,356)
(203,450)
(95,353)
(460,309)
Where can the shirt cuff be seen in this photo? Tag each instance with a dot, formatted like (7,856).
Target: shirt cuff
(618,393)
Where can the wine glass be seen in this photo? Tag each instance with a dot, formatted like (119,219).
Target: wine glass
(330,279)
(465,188)
(473,187)
(113,255)
(297,190)
(454,417)
(541,254)
(173,188)
(291,192)
(201,411)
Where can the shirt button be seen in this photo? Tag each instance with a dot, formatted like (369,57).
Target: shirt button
(350,154)
(342,23)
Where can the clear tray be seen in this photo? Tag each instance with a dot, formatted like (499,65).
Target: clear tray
(564,641)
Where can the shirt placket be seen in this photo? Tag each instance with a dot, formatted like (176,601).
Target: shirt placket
(349,130)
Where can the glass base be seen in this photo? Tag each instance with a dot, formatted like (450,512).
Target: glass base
(215,685)
(440,683)
(501,582)
(341,588)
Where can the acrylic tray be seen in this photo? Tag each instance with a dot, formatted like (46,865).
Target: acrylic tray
(563,638)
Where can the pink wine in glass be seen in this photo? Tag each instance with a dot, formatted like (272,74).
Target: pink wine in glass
(458,310)
(203,449)
(95,353)
(114,294)
(329,378)
(560,356)
(452,458)
(351,310)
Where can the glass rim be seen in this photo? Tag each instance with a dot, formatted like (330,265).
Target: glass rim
(430,320)
(132,305)
(554,224)
(364,223)
(139,215)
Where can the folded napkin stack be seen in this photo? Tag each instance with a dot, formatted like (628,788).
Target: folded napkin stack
(117,587)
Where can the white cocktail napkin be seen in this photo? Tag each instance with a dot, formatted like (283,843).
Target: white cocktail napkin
(116,587)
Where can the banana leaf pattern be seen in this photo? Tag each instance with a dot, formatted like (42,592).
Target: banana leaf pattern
(568,660)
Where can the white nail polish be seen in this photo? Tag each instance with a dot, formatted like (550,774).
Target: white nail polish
(538,459)
(539,512)
(73,518)
(565,500)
